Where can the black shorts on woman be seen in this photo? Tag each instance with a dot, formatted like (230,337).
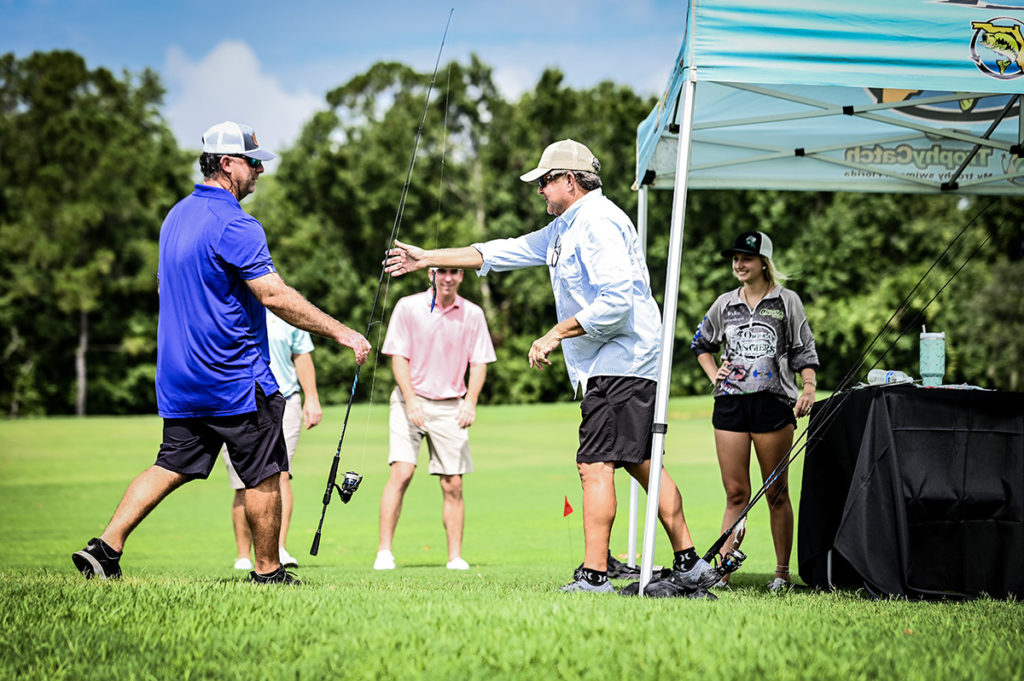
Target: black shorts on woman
(759,412)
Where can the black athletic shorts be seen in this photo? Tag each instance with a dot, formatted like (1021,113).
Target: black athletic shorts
(618,412)
(255,442)
(752,413)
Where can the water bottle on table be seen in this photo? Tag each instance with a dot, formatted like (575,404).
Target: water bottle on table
(881,376)
(933,357)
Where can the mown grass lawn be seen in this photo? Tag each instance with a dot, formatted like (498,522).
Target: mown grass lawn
(182,611)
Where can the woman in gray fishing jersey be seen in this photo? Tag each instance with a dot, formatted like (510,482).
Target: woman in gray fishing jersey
(764,338)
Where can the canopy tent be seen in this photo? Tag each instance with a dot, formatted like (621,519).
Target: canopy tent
(831,95)
(876,95)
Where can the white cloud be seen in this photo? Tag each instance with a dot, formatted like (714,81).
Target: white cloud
(229,84)
(518,68)
(514,79)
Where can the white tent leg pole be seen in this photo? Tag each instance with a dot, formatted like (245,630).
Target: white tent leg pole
(634,511)
(634,486)
(675,251)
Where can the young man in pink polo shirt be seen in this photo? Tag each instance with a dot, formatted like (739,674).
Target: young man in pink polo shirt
(431,339)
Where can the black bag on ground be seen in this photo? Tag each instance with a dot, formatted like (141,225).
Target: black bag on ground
(666,584)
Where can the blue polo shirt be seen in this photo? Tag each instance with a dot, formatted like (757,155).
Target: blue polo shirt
(212,337)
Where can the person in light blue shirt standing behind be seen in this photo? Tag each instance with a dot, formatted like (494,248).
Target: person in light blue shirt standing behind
(291,362)
(609,329)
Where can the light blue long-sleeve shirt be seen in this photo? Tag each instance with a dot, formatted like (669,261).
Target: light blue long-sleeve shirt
(599,276)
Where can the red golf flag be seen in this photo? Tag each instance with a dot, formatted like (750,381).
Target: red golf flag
(568,509)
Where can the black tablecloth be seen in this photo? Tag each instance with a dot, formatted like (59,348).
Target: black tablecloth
(915,492)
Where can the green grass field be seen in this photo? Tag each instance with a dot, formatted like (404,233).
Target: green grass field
(182,612)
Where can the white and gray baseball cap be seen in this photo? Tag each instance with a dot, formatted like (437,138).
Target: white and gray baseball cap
(234,138)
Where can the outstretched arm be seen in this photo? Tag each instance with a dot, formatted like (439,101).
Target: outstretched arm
(289,305)
(405,258)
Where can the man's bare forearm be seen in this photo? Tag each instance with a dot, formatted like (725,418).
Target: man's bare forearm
(305,372)
(477,375)
(291,306)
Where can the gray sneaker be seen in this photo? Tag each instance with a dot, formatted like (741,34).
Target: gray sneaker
(98,559)
(700,576)
(578,583)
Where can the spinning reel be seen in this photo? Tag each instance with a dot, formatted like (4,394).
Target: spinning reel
(349,485)
(730,562)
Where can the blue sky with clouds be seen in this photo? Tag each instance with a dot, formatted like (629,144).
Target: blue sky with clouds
(270,63)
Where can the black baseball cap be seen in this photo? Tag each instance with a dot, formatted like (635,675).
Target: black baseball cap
(751,243)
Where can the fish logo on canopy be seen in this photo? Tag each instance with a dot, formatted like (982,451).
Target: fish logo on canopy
(1015,167)
(967,110)
(997,47)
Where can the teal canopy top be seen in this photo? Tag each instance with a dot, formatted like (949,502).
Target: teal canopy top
(856,95)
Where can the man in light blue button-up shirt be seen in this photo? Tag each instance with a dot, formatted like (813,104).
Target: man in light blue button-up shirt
(609,329)
(600,281)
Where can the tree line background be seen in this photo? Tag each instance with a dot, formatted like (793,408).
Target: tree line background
(88,169)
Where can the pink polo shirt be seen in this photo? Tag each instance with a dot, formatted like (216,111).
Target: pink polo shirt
(440,344)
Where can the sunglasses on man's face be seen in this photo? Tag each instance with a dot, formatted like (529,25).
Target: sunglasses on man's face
(548,179)
(254,162)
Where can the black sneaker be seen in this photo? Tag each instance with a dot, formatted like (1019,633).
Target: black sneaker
(619,570)
(97,558)
(278,576)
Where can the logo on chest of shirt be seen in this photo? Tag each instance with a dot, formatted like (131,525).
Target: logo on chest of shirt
(751,342)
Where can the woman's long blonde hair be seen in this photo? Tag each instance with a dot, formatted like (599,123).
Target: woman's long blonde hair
(771,274)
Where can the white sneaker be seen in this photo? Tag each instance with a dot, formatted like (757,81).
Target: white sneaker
(286,558)
(243,564)
(457,564)
(385,561)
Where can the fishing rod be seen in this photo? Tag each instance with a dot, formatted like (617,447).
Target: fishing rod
(819,422)
(351,479)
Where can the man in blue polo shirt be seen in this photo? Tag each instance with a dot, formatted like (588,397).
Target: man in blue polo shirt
(213,380)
